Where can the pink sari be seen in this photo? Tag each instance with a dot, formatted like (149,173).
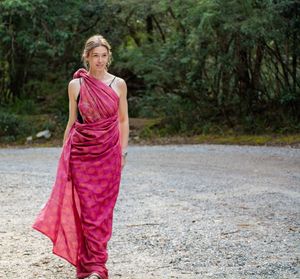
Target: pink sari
(79,213)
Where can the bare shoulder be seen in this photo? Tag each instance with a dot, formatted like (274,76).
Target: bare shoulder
(74,83)
(120,80)
(73,88)
(122,86)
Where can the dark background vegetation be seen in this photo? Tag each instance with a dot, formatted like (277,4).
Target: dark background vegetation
(195,66)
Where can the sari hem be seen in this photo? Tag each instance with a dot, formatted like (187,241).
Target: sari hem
(53,243)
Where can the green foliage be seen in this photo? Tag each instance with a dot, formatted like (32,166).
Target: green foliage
(26,106)
(13,127)
(9,125)
(202,66)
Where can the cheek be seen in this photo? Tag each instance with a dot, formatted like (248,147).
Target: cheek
(94,59)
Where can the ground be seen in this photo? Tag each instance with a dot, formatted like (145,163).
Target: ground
(184,211)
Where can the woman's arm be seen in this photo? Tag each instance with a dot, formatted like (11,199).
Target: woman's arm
(123,118)
(73,91)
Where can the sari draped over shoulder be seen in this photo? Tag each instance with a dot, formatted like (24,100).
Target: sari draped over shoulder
(79,212)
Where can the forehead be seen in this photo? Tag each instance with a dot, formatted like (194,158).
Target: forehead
(99,50)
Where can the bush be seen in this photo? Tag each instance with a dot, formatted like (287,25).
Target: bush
(13,127)
(26,106)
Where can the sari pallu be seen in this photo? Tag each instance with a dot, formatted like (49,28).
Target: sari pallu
(79,213)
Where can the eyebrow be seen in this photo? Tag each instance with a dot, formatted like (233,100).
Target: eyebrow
(99,53)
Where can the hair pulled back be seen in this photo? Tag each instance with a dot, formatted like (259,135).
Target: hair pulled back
(93,42)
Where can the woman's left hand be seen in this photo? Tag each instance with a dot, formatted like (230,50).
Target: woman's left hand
(123,161)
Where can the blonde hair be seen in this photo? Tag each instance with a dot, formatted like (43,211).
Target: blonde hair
(93,42)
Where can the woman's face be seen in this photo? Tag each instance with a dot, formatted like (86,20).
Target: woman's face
(98,58)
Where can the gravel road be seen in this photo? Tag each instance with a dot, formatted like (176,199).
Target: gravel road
(186,212)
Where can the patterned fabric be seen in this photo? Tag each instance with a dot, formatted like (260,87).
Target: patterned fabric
(79,213)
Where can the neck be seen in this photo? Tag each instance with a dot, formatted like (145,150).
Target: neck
(97,74)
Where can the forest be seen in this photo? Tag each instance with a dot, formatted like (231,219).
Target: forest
(192,66)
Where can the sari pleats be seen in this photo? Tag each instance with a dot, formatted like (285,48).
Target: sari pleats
(78,215)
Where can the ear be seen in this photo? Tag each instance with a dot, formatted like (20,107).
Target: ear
(88,54)
(87,59)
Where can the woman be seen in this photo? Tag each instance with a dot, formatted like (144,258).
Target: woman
(78,215)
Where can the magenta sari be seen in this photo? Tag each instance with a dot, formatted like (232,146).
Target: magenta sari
(79,213)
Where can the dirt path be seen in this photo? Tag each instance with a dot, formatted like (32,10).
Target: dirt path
(193,211)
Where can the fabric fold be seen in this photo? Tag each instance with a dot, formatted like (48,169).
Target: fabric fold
(79,212)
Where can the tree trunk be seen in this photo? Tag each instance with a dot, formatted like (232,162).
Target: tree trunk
(243,78)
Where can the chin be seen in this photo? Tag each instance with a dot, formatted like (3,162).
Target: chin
(98,68)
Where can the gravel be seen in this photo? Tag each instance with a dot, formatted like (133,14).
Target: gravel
(184,211)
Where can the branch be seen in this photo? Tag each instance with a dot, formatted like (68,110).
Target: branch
(159,29)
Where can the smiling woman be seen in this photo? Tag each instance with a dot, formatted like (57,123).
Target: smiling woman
(78,215)
(97,51)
